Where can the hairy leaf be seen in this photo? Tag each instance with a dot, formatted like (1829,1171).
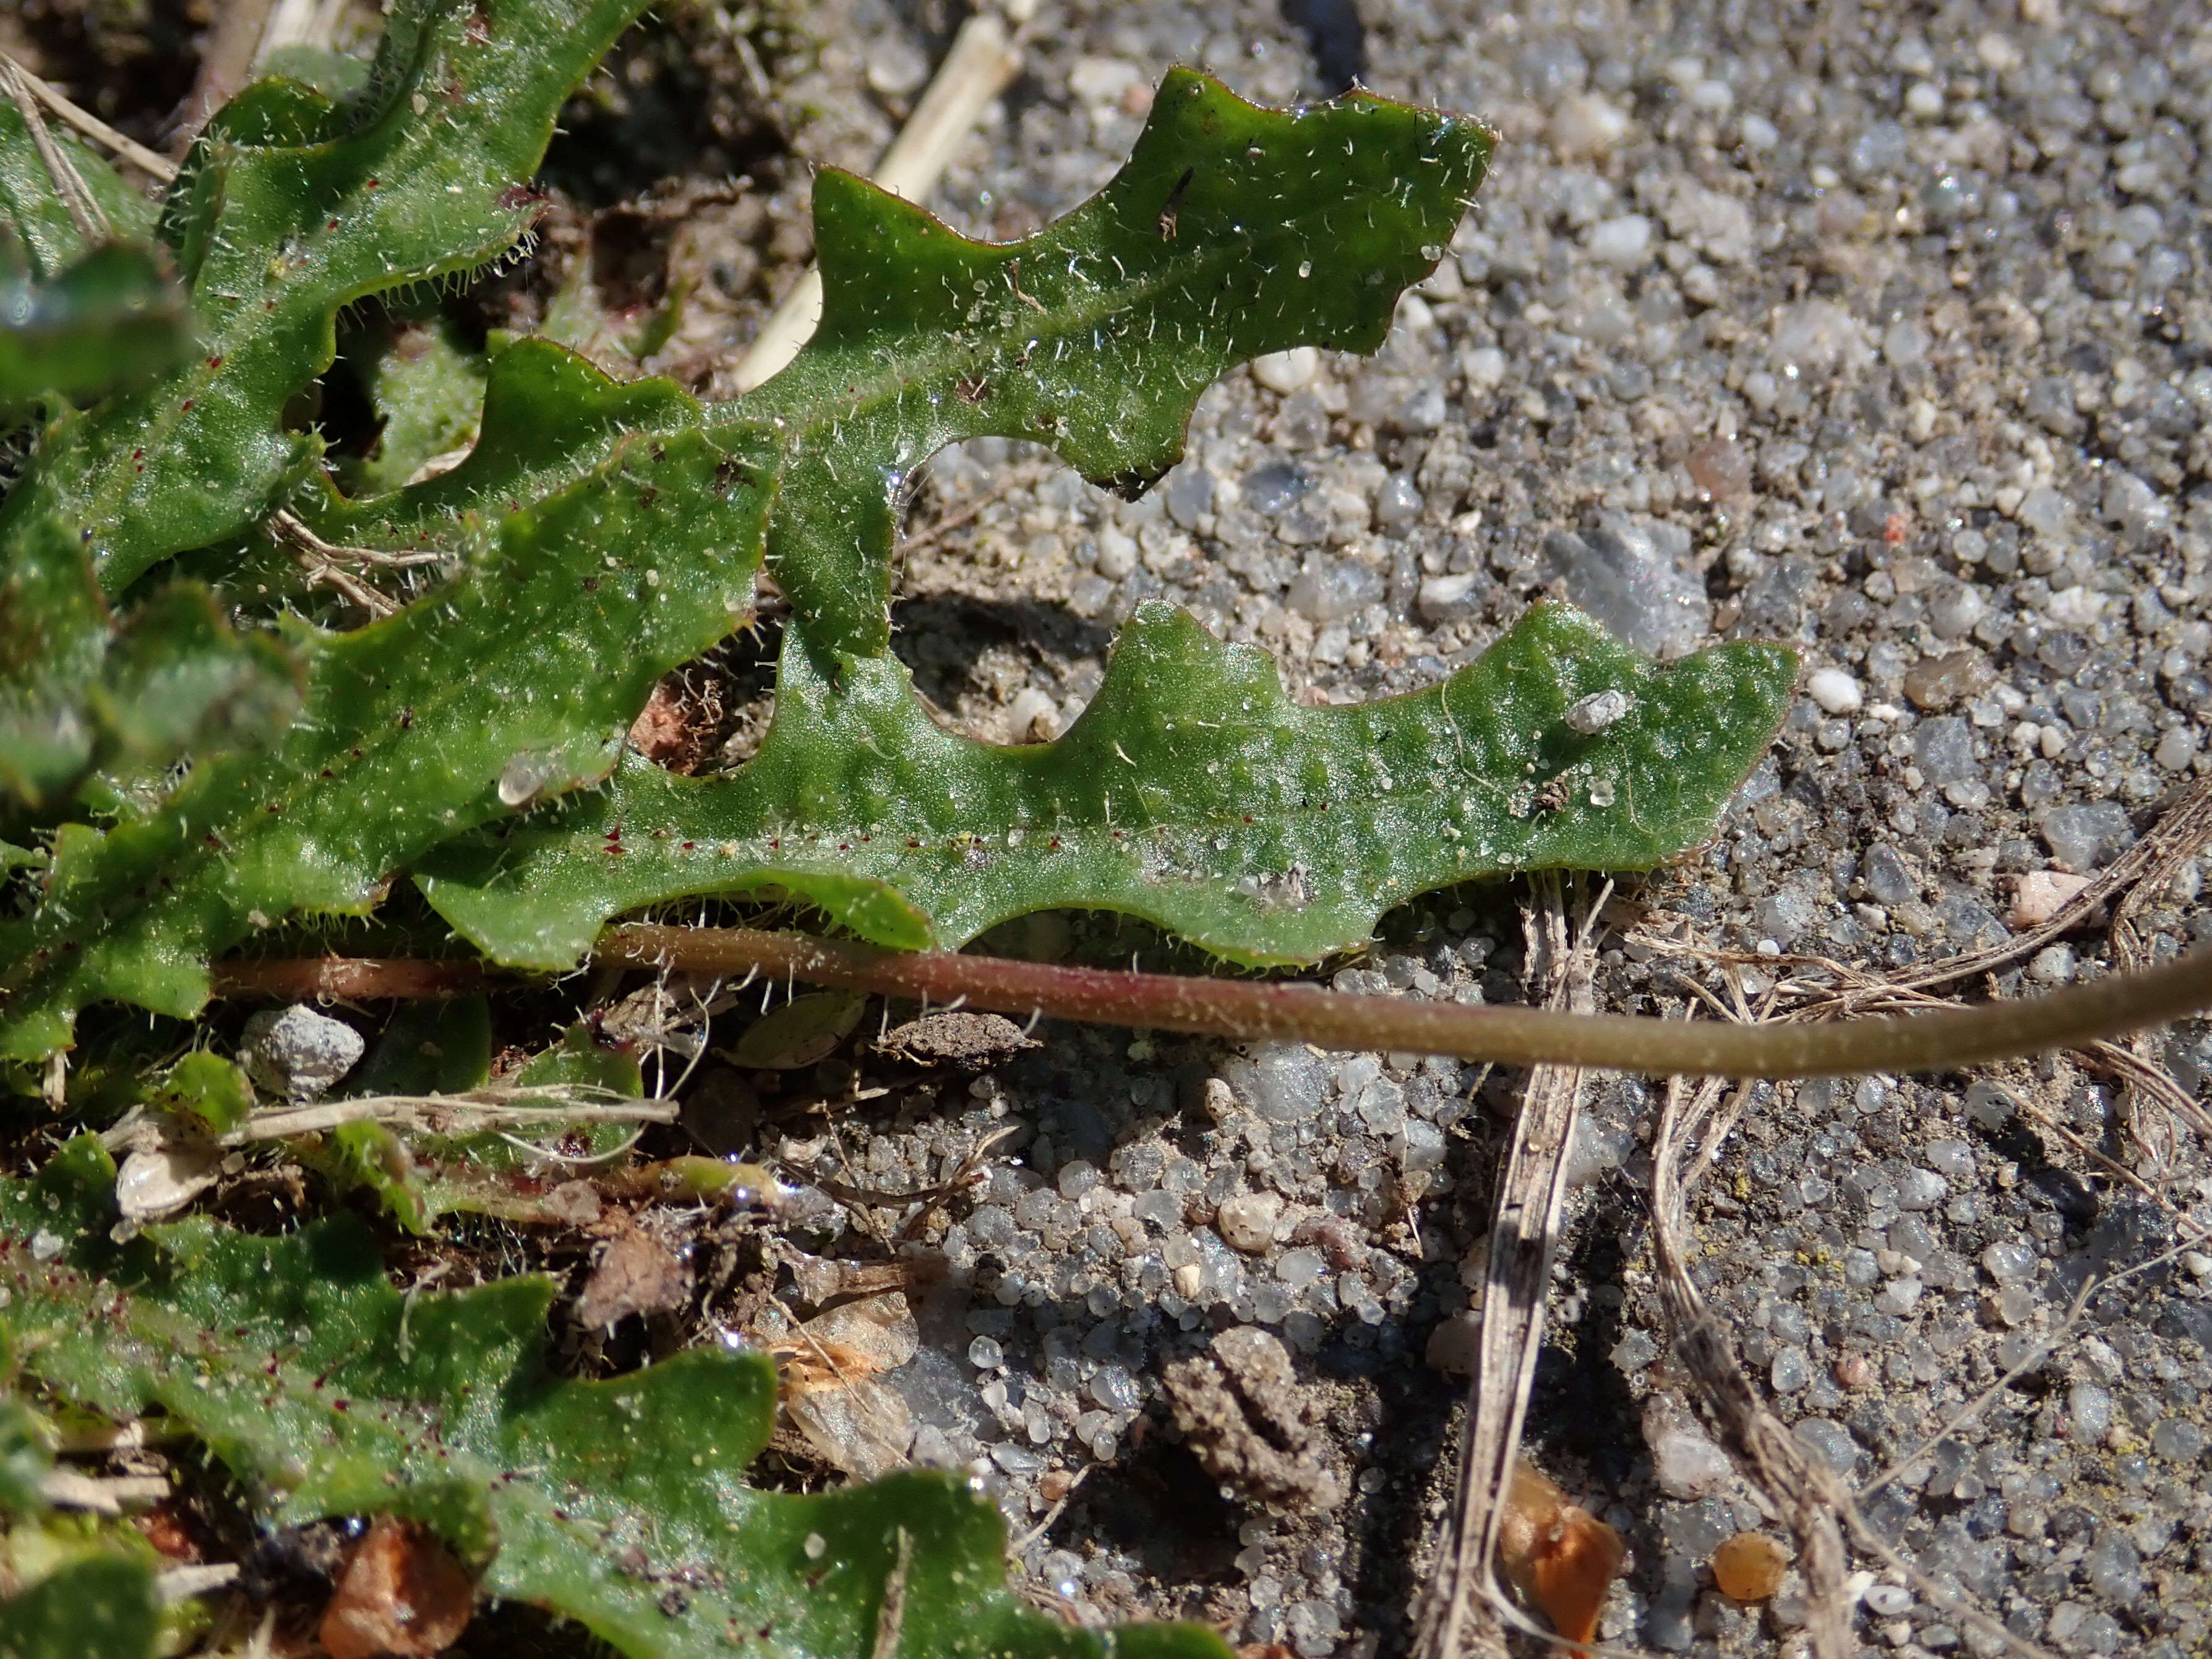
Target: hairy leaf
(620,1504)
(548,417)
(1265,832)
(428,388)
(287,209)
(509,684)
(1230,231)
(174,677)
(515,682)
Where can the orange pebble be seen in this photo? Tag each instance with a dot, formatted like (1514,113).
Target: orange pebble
(1749,1567)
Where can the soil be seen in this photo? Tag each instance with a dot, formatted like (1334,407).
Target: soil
(1884,331)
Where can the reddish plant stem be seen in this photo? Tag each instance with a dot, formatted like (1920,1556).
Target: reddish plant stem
(409,978)
(1302,1012)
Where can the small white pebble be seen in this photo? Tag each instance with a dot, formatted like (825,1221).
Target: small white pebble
(1925,100)
(1286,372)
(1484,367)
(1586,125)
(1103,81)
(1835,691)
(1887,1599)
(1997,53)
(1246,1221)
(897,67)
(1622,242)
(1594,714)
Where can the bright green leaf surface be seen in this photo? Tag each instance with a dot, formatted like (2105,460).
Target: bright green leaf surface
(1264,832)
(110,319)
(621,1504)
(1230,231)
(428,389)
(206,1089)
(547,415)
(101,1607)
(515,683)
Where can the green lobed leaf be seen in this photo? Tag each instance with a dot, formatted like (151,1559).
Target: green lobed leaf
(514,683)
(620,1504)
(288,209)
(1230,231)
(1261,831)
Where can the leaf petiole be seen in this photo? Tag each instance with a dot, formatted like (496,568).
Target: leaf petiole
(1299,1012)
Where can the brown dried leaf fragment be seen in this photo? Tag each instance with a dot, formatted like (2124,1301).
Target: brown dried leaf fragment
(970,1041)
(636,1273)
(829,1394)
(1559,1557)
(403,1595)
(1251,1424)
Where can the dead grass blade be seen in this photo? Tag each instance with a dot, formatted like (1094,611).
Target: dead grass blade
(1463,1607)
(2139,871)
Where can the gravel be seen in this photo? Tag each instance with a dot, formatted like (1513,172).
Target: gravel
(1884,333)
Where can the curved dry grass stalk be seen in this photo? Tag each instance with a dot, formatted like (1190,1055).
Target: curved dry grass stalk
(1816,1505)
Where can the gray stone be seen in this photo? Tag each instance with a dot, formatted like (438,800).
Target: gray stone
(1944,751)
(298,1053)
(2088,836)
(1632,577)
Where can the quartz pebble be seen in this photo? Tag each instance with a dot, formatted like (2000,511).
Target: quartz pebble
(1835,690)
(1246,1222)
(2042,893)
(1586,125)
(1286,372)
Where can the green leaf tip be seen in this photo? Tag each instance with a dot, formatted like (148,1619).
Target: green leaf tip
(324,1391)
(1231,231)
(1192,792)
